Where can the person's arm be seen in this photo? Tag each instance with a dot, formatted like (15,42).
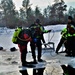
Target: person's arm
(44,31)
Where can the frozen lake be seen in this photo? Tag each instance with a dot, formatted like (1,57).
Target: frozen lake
(53,36)
(12,59)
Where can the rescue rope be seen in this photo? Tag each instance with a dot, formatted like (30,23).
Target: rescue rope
(24,39)
(51,36)
(49,39)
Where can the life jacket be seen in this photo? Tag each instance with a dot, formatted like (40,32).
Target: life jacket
(36,31)
(71,29)
(15,35)
(67,33)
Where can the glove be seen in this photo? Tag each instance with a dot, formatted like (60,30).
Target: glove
(49,30)
(35,39)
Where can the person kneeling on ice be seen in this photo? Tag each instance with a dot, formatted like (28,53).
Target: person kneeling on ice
(71,37)
(68,38)
(23,37)
(63,40)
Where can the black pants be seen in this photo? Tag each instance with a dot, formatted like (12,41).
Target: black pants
(39,47)
(23,57)
(71,45)
(23,51)
(62,41)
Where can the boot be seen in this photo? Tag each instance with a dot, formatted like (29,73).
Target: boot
(24,63)
(35,62)
(40,60)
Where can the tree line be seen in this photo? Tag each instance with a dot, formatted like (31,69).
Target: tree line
(56,13)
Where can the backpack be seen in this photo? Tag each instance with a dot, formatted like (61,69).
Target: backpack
(15,35)
(21,36)
(24,37)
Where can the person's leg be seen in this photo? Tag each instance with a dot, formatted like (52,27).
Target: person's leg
(23,50)
(32,45)
(39,47)
(67,49)
(60,44)
(39,52)
(73,46)
(69,46)
(23,57)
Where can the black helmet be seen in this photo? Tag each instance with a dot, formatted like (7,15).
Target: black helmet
(37,21)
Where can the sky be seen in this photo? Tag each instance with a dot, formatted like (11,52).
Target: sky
(42,3)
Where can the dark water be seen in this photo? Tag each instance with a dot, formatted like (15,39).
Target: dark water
(38,71)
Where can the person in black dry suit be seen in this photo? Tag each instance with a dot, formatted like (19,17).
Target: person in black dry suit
(37,36)
(68,38)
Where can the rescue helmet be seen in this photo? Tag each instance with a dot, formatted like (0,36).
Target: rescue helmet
(37,21)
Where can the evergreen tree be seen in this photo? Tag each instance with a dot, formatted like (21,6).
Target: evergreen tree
(57,10)
(71,11)
(26,5)
(9,12)
(24,12)
(22,15)
(37,12)
(30,16)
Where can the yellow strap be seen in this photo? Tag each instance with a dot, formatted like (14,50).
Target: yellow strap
(24,39)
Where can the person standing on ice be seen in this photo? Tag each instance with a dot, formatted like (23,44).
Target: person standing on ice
(37,35)
(22,40)
(37,22)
